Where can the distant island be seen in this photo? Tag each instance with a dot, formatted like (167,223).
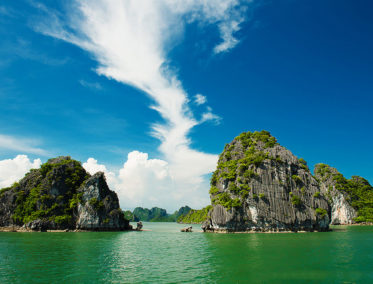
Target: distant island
(261,186)
(185,215)
(155,214)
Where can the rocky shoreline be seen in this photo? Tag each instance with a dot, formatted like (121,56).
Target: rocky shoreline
(27,230)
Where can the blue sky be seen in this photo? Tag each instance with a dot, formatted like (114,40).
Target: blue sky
(299,69)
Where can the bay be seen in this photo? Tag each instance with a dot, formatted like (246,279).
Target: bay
(165,255)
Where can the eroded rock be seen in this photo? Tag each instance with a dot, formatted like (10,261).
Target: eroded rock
(261,186)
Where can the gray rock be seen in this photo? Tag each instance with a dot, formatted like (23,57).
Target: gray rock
(261,186)
(99,207)
(342,213)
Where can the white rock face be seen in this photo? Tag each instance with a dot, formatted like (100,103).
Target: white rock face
(342,212)
(254,214)
(99,209)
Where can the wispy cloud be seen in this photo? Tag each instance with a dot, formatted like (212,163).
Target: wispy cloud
(23,49)
(229,26)
(23,145)
(90,85)
(210,116)
(130,41)
(8,12)
(200,99)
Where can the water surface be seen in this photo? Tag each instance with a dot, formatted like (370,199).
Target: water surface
(165,255)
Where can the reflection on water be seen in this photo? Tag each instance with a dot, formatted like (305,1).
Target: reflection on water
(164,255)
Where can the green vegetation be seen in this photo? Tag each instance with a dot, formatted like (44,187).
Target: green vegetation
(249,174)
(233,188)
(195,216)
(303,164)
(360,194)
(244,194)
(96,204)
(278,159)
(37,203)
(297,179)
(63,220)
(225,200)
(321,212)
(155,214)
(262,196)
(317,194)
(214,189)
(295,200)
(237,165)
(128,215)
(323,170)
(13,186)
(358,190)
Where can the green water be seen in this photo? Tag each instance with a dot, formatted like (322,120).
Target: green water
(165,255)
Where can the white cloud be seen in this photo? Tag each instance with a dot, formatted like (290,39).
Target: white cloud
(229,26)
(21,145)
(12,170)
(130,41)
(25,50)
(209,115)
(148,182)
(200,99)
(90,85)
(92,167)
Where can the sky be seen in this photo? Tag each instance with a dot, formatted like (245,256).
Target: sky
(150,91)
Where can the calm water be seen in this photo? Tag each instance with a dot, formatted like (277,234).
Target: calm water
(165,255)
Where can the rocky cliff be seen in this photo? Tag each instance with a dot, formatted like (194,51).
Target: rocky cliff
(351,200)
(261,186)
(61,195)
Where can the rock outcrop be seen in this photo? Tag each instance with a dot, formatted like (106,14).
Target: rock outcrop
(351,200)
(99,206)
(342,213)
(261,186)
(61,195)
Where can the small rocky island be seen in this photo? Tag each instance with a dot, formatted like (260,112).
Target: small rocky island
(261,186)
(61,195)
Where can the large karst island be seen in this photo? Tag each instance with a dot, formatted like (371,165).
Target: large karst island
(258,186)
(261,186)
(61,195)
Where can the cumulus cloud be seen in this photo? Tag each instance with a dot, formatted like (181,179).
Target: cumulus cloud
(130,41)
(12,170)
(200,99)
(21,145)
(148,182)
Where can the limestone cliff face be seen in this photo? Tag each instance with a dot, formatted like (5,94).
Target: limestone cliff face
(342,213)
(99,206)
(61,195)
(261,186)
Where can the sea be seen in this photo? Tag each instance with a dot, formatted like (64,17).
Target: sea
(163,254)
